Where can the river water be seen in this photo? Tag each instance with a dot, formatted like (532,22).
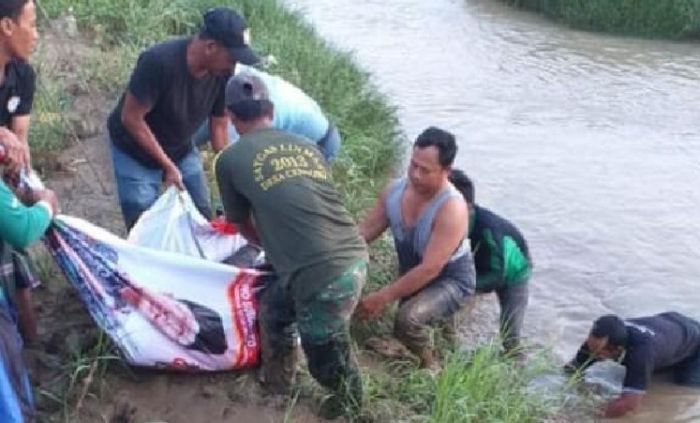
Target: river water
(590,143)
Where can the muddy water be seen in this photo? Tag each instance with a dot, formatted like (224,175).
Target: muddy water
(590,143)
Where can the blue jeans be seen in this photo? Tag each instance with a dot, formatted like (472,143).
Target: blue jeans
(329,144)
(138,186)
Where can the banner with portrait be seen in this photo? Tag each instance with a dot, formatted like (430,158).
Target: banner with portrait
(162,309)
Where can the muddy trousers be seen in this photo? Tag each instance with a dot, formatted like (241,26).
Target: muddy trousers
(323,324)
(513,302)
(432,305)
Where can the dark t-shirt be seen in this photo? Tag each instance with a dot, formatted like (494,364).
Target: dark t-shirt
(179,103)
(501,254)
(654,343)
(308,235)
(16,91)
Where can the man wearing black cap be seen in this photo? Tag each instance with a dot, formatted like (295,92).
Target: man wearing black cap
(175,86)
(282,183)
(643,345)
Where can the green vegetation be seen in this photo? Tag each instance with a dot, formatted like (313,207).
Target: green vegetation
(473,387)
(647,18)
(48,128)
(480,386)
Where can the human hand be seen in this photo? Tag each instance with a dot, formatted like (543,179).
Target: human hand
(611,410)
(172,176)
(16,152)
(31,197)
(371,305)
(48,196)
(570,369)
(621,405)
(27,157)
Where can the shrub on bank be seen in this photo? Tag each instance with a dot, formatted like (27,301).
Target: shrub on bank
(648,18)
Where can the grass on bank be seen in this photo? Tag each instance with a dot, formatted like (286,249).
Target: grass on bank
(473,387)
(648,18)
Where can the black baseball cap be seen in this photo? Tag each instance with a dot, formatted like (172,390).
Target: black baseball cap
(229,29)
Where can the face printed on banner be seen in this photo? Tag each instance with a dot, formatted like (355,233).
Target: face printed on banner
(168,315)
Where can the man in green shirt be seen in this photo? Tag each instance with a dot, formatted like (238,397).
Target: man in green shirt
(20,225)
(277,187)
(501,259)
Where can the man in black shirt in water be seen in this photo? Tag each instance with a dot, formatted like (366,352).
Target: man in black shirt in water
(643,345)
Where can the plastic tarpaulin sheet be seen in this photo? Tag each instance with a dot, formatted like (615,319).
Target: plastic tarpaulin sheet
(162,309)
(173,223)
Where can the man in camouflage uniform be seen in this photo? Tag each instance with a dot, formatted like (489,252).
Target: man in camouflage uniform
(276,185)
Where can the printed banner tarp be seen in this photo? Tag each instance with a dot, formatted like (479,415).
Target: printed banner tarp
(162,309)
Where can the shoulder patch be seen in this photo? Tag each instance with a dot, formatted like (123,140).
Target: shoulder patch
(640,328)
(13,103)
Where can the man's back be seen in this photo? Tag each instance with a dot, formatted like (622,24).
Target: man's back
(299,215)
(667,338)
(498,247)
(295,111)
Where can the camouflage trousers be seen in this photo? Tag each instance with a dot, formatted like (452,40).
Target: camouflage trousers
(323,324)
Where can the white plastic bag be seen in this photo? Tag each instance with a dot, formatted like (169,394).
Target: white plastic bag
(174,224)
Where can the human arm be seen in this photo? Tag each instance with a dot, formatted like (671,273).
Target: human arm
(218,130)
(375,221)
(489,272)
(448,232)
(20,126)
(26,317)
(14,151)
(639,367)
(148,81)
(21,116)
(236,207)
(583,360)
(21,225)
(218,121)
(133,118)
(249,232)
(623,404)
